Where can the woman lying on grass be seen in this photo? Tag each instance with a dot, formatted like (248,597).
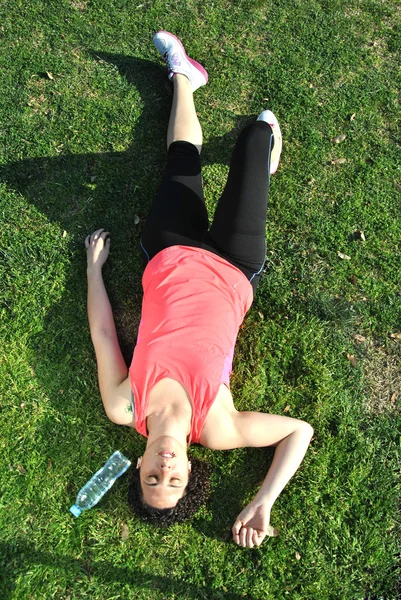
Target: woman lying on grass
(198,285)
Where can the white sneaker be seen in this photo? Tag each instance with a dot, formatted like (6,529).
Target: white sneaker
(173,52)
(270,118)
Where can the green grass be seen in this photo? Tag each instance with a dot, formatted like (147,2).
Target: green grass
(84,148)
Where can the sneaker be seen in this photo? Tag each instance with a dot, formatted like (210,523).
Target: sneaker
(269,118)
(173,52)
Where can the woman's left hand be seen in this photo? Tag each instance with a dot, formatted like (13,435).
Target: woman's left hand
(97,248)
(251,525)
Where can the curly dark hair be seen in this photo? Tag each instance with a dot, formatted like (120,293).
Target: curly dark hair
(196,494)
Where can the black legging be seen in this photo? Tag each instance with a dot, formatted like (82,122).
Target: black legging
(238,233)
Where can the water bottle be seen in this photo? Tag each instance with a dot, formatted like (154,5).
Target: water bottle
(100,483)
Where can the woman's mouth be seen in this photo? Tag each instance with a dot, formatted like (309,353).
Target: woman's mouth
(166,454)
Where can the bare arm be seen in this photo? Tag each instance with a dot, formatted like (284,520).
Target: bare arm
(112,370)
(291,437)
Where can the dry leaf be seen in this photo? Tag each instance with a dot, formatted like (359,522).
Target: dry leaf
(338,161)
(271,531)
(124,532)
(261,315)
(359,338)
(394,397)
(297,556)
(352,359)
(79,5)
(21,469)
(354,280)
(395,336)
(352,117)
(49,464)
(49,75)
(397,186)
(287,408)
(136,220)
(64,234)
(338,139)
(343,256)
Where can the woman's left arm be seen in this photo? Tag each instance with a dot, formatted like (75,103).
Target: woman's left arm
(112,370)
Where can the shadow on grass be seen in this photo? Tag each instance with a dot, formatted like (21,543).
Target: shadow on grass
(111,189)
(80,190)
(236,476)
(17,558)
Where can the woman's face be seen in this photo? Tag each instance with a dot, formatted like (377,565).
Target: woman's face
(164,472)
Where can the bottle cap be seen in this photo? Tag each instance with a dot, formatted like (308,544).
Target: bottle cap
(76,511)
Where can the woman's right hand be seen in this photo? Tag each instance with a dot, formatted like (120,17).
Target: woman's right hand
(97,248)
(252,525)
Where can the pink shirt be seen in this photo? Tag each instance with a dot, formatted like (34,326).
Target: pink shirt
(193,305)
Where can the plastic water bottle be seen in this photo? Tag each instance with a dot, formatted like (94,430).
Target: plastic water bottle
(100,483)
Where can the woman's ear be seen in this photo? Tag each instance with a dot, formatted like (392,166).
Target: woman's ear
(139,462)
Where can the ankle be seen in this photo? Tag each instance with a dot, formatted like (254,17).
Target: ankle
(179,79)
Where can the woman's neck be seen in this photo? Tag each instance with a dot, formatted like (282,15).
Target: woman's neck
(169,411)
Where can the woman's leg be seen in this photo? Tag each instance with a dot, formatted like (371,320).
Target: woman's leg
(184,123)
(238,231)
(178,215)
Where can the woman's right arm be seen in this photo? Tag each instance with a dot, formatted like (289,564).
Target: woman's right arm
(113,377)
(291,438)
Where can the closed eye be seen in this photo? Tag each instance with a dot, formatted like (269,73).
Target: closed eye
(156,482)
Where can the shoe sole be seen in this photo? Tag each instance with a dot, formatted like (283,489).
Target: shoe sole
(193,62)
(271,120)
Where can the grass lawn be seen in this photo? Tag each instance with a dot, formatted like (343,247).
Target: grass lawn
(84,105)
